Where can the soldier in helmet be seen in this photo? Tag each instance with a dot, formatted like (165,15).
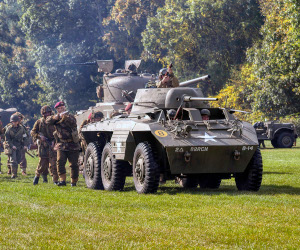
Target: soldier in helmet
(167,79)
(16,141)
(42,134)
(205,113)
(67,143)
(93,117)
(23,163)
(1,133)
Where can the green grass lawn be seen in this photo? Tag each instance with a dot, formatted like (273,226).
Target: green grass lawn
(46,216)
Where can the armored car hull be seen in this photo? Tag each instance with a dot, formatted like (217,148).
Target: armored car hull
(185,147)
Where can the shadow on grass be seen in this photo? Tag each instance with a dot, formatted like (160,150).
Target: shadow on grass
(278,173)
(224,189)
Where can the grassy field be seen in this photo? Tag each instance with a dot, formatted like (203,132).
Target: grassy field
(46,216)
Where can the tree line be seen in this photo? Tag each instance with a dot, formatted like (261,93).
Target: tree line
(249,47)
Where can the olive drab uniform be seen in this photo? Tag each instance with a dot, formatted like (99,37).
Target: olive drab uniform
(67,144)
(46,152)
(1,143)
(172,83)
(83,145)
(18,137)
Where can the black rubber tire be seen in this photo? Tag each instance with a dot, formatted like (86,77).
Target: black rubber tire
(187,182)
(112,172)
(251,179)
(212,181)
(145,169)
(92,166)
(285,140)
(274,143)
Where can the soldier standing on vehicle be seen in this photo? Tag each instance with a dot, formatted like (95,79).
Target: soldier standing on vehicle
(67,143)
(42,134)
(167,79)
(16,139)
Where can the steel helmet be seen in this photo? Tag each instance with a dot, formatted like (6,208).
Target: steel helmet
(46,109)
(14,118)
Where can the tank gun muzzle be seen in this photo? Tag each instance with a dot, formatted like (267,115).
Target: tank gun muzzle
(194,81)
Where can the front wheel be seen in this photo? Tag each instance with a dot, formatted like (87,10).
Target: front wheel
(145,169)
(92,166)
(112,172)
(251,179)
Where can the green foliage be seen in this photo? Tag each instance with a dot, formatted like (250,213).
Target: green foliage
(202,36)
(275,60)
(18,87)
(64,32)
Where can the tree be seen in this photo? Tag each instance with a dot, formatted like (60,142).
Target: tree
(203,36)
(18,85)
(66,31)
(275,59)
(125,24)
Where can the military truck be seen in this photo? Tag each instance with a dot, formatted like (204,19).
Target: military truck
(165,136)
(281,135)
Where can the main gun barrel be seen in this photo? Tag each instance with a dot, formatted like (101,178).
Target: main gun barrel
(194,81)
(190,98)
(84,64)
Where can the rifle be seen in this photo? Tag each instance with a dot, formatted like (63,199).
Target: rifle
(26,151)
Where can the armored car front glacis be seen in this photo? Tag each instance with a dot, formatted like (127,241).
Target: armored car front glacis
(172,134)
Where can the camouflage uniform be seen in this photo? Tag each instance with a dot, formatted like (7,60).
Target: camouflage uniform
(45,149)
(172,83)
(67,144)
(18,137)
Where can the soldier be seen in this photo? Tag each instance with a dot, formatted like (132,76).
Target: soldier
(67,143)
(23,163)
(16,139)
(42,134)
(205,113)
(93,117)
(1,144)
(167,79)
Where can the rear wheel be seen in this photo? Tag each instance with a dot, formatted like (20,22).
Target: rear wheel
(212,181)
(285,140)
(145,169)
(251,179)
(112,172)
(92,166)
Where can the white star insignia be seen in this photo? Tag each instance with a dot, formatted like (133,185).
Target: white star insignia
(207,137)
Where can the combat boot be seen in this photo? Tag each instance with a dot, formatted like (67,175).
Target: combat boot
(62,181)
(36,180)
(45,179)
(73,182)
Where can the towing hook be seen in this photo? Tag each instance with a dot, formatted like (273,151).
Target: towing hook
(236,155)
(187,156)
